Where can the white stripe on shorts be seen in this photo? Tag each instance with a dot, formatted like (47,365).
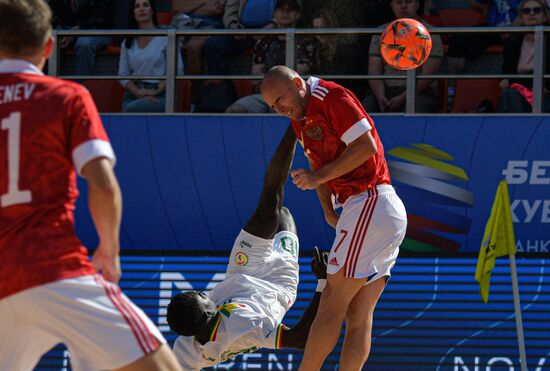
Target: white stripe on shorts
(146,341)
(359,233)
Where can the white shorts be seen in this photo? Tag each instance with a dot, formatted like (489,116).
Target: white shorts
(368,234)
(100,326)
(275,260)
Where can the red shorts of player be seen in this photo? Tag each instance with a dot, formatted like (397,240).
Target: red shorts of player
(368,234)
(100,326)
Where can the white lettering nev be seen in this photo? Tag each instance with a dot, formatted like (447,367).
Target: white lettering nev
(15,93)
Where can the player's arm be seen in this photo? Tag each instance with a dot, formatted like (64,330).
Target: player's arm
(356,153)
(296,336)
(265,219)
(325,199)
(105,203)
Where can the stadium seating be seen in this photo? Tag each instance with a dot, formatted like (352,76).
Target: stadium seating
(243,87)
(183,95)
(107,94)
(470,93)
(460,17)
(164,18)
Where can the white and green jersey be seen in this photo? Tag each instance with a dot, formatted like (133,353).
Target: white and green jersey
(252,301)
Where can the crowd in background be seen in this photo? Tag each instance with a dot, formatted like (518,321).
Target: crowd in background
(315,55)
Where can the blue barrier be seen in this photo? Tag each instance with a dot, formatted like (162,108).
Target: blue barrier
(190,183)
(430,316)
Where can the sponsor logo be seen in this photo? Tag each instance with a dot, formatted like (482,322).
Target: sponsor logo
(245,245)
(439,188)
(241,259)
(289,245)
(334,261)
(315,132)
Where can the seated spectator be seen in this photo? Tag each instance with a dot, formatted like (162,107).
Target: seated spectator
(144,56)
(390,95)
(340,54)
(471,45)
(270,51)
(196,14)
(326,45)
(519,57)
(238,14)
(378,12)
(83,15)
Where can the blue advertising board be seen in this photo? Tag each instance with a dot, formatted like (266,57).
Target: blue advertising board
(430,317)
(190,183)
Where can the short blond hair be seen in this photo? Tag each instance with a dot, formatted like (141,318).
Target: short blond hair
(25,25)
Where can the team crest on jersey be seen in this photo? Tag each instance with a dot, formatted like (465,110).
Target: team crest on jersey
(241,259)
(315,132)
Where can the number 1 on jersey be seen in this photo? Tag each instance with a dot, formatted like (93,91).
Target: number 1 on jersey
(14,196)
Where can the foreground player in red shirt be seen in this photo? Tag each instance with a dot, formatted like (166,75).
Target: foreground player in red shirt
(348,170)
(49,291)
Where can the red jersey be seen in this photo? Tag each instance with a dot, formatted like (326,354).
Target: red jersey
(48,127)
(335,118)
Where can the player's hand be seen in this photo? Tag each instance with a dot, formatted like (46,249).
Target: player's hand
(305,179)
(319,263)
(107,263)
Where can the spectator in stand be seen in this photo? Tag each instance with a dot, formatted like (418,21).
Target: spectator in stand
(519,57)
(269,51)
(390,95)
(326,45)
(334,56)
(471,45)
(83,15)
(238,14)
(378,12)
(196,14)
(144,56)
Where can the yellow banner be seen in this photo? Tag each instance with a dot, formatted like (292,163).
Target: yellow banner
(498,239)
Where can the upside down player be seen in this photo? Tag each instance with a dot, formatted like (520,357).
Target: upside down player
(50,292)
(243,312)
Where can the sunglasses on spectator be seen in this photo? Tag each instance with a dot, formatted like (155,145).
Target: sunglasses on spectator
(535,10)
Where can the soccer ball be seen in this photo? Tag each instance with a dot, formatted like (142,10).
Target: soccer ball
(405,44)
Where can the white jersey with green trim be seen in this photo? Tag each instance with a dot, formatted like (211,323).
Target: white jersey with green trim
(249,318)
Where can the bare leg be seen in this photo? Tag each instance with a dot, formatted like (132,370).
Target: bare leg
(357,340)
(326,327)
(160,360)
